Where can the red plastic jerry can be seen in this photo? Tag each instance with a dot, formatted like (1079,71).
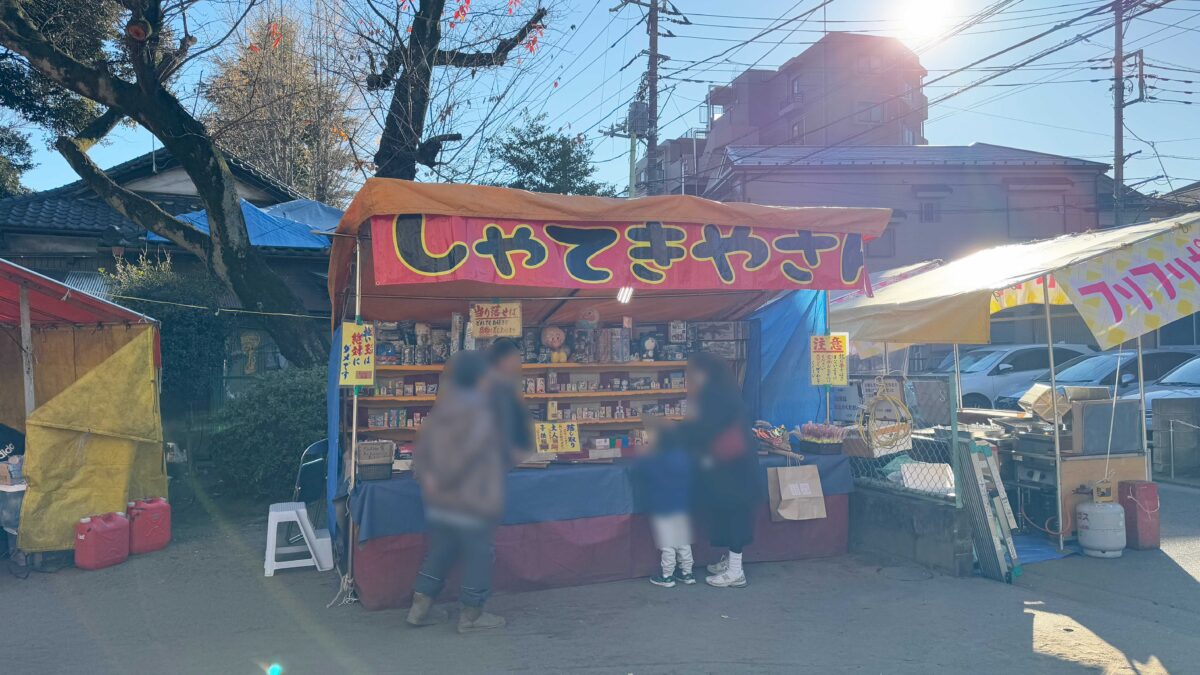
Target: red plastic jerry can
(149,525)
(1140,499)
(101,541)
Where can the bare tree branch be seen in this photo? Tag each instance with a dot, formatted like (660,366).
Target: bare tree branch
(133,206)
(496,57)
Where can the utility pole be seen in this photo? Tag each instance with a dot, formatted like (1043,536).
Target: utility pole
(653,181)
(1118,109)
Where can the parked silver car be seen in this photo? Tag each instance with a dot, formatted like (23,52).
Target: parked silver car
(990,371)
(1101,370)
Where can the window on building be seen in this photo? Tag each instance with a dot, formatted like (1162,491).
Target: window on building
(870,63)
(883,246)
(931,211)
(798,132)
(797,90)
(907,137)
(1036,213)
(868,112)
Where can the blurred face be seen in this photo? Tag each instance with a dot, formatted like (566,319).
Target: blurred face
(509,366)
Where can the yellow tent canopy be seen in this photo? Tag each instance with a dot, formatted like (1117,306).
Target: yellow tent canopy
(1124,282)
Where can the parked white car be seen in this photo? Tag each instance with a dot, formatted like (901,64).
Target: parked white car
(1182,382)
(1100,370)
(992,371)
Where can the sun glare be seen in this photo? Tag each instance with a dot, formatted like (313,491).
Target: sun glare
(919,21)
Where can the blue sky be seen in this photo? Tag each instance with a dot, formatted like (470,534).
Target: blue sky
(1052,106)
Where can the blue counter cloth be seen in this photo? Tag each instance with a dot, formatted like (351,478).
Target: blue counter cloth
(384,508)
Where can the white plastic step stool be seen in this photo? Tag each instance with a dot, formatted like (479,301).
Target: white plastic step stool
(316,542)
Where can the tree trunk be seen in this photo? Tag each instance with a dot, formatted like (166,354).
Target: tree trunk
(405,123)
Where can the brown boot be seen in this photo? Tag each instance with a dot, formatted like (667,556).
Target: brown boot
(474,619)
(423,613)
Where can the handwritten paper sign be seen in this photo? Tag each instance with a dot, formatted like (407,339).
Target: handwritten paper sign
(495,319)
(830,358)
(358,355)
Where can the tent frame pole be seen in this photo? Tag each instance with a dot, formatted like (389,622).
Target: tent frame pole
(348,582)
(1054,403)
(1142,399)
(27,351)
(957,378)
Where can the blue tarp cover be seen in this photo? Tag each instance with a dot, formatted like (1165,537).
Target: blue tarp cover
(264,229)
(785,396)
(385,508)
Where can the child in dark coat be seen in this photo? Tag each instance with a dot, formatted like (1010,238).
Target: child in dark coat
(666,477)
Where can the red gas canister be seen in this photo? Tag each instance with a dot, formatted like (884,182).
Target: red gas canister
(149,525)
(1140,500)
(101,541)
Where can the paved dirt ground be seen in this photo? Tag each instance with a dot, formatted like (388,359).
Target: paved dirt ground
(203,606)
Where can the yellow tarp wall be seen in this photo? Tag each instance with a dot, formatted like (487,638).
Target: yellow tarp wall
(97,442)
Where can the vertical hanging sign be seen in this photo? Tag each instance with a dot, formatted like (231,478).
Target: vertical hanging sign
(357,367)
(830,359)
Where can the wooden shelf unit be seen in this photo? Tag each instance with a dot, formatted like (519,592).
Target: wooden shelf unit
(611,423)
(536,367)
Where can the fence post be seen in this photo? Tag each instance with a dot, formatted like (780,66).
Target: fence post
(952,402)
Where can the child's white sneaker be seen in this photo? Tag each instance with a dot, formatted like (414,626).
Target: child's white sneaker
(726,579)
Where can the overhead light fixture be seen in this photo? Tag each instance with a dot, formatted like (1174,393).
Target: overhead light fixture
(625,295)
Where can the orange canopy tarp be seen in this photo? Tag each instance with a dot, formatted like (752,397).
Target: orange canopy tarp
(383,196)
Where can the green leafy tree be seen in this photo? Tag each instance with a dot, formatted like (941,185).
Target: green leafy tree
(531,156)
(79,68)
(274,105)
(193,340)
(263,431)
(16,157)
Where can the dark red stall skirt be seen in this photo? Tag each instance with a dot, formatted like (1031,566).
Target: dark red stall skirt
(585,551)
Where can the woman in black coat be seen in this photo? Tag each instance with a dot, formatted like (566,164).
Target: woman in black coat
(718,432)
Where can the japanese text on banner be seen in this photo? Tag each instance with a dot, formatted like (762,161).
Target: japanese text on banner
(357,363)
(1139,288)
(830,359)
(411,249)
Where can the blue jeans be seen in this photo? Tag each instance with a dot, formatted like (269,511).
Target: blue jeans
(446,545)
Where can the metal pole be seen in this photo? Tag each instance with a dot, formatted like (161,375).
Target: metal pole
(632,165)
(1142,398)
(1118,109)
(349,580)
(652,178)
(957,378)
(886,367)
(1054,405)
(26,351)
(828,389)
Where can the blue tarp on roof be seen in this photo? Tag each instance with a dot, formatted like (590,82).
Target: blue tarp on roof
(308,211)
(265,229)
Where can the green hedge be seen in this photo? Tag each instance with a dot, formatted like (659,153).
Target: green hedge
(264,431)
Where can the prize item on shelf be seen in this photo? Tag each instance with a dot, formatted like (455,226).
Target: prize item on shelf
(530,342)
(649,347)
(440,347)
(583,345)
(410,390)
(541,386)
(555,341)
(819,439)
(719,331)
(469,337)
(551,410)
(730,350)
(431,389)
(422,333)
(419,389)
(457,325)
(589,319)
(677,332)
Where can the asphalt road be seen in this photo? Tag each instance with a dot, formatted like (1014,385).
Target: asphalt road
(203,606)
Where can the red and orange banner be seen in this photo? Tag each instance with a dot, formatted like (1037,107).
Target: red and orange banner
(413,249)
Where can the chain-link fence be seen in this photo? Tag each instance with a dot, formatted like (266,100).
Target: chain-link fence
(900,432)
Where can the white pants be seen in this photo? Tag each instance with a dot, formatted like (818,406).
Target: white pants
(681,555)
(673,536)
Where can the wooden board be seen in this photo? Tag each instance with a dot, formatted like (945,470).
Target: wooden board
(1087,470)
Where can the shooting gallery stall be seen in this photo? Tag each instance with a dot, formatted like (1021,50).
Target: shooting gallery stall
(80,377)
(607,297)
(1123,282)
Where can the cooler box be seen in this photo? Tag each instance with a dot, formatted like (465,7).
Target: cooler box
(1140,501)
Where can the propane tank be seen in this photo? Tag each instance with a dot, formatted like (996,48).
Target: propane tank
(1101,529)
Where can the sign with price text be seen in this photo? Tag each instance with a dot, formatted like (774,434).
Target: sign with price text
(1138,288)
(495,319)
